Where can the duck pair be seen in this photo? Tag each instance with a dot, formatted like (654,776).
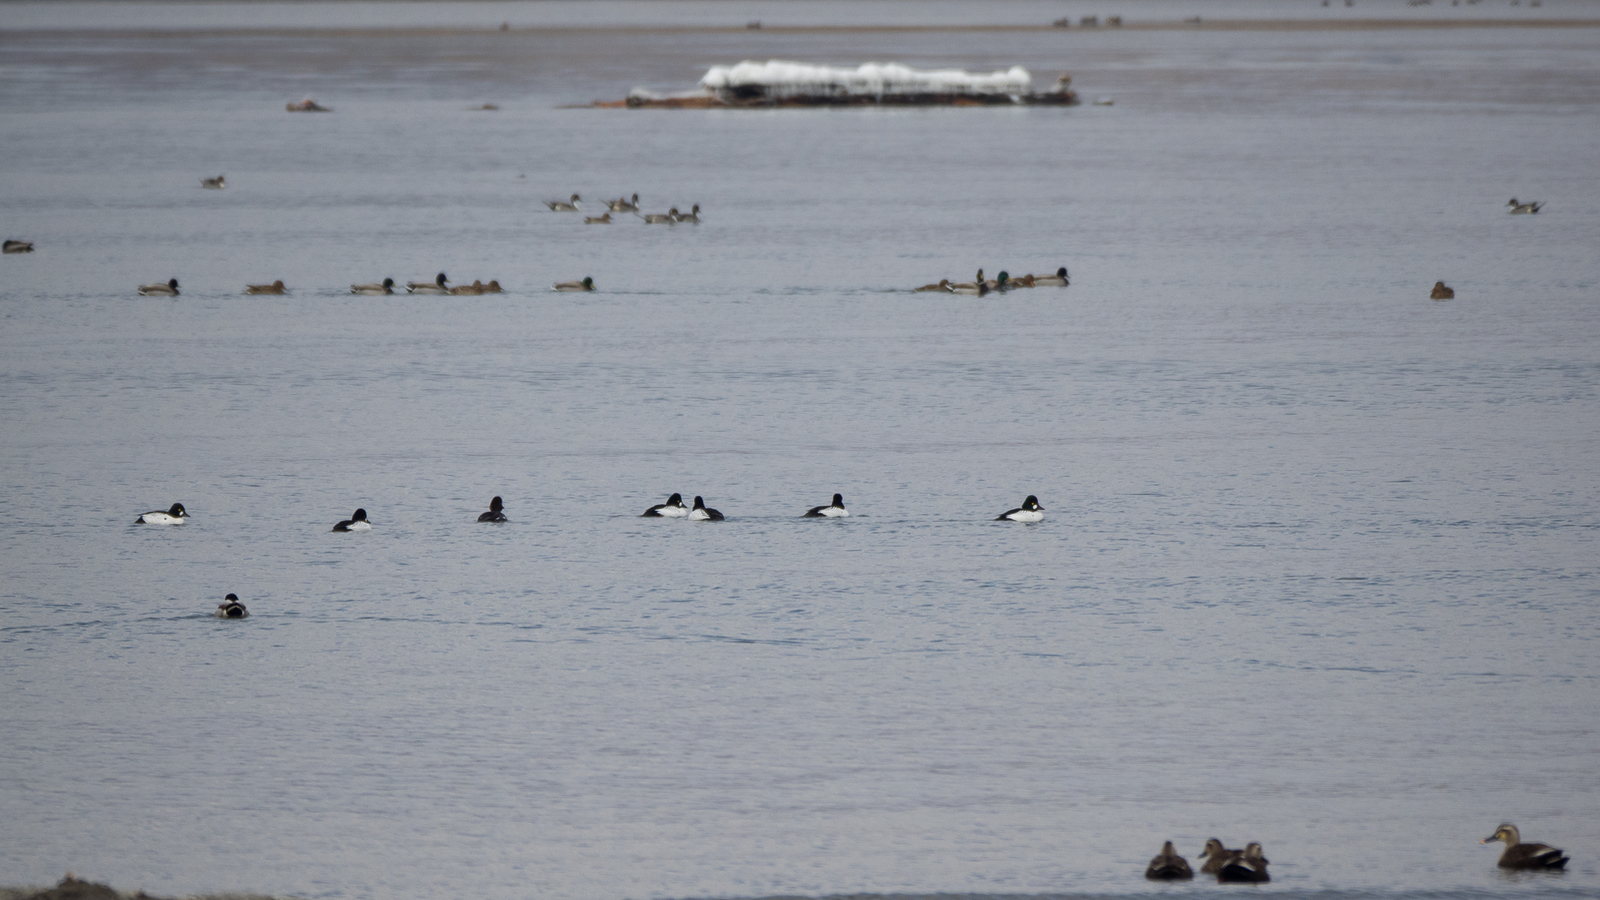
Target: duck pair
(672,217)
(1242,866)
(674,509)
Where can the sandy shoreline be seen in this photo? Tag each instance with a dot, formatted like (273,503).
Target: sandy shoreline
(1210,25)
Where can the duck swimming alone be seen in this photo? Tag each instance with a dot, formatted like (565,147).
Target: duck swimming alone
(357,522)
(564,205)
(1523,208)
(1440,292)
(173,516)
(1249,867)
(1029,511)
(587,284)
(231,608)
(387,287)
(834,510)
(436,286)
(17,247)
(672,509)
(701,513)
(495,513)
(1518,855)
(1168,866)
(170,289)
(274,288)
(214,184)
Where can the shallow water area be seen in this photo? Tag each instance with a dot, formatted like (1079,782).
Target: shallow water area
(1317,567)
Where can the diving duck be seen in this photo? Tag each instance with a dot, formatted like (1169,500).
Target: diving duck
(231,608)
(1168,866)
(834,510)
(1524,856)
(1029,511)
(496,512)
(173,516)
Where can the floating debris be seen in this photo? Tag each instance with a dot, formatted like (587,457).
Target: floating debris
(779,83)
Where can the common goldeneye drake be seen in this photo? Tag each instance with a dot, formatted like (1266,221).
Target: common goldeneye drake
(494,514)
(173,516)
(672,509)
(701,514)
(1029,511)
(231,608)
(834,510)
(357,522)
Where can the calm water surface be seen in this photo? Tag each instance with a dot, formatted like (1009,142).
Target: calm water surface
(1319,561)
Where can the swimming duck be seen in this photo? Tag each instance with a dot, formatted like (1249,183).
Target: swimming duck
(214,184)
(1440,292)
(1001,283)
(387,287)
(426,287)
(274,288)
(475,287)
(587,284)
(670,217)
(623,204)
(1524,856)
(672,509)
(231,608)
(1059,279)
(1247,867)
(18,247)
(495,513)
(172,516)
(493,287)
(701,514)
(943,285)
(564,205)
(306,105)
(603,219)
(170,289)
(1216,856)
(693,217)
(1523,208)
(834,510)
(1168,866)
(977,286)
(1026,281)
(1029,511)
(357,522)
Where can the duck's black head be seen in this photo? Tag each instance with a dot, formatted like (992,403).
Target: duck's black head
(360,516)
(699,503)
(388,283)
(1061,272)
(232,598)
(675,500)
(1031,503)
(173,284)
(838,500)
(495,505)
(440,280)
(177,511)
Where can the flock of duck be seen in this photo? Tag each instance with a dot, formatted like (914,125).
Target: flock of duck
(1249,866)
(1002,282)
(626,205)
(1030,511)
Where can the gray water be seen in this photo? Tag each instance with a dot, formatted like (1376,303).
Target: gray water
(1318,567)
